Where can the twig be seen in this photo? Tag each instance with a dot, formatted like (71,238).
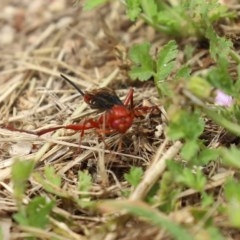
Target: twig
(154,172)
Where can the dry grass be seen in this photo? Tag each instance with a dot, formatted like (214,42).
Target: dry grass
(40,40)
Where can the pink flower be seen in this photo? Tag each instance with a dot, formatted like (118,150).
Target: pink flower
(222,99)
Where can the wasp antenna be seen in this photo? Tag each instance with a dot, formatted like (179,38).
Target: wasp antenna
(73,84)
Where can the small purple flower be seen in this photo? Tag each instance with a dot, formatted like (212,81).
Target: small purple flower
(222,99)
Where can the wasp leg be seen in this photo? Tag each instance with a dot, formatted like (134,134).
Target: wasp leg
(141,111)
(129,98)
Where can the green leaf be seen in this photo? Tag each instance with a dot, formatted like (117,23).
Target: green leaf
(183,72)
(90,4)
(231,190)
(206,155)
(50,181)
(21,170)
(189,149)
(221,73)
(170,20)
(217,43)
(199,214)
(207,200)
(133,9)
(166,60)
(174,167)
(232,195)
(134,176)
(149,8)
(172,17)
(185,125)
(195,180)
(21,218)
(36,213)
(51,176)
(84,185)
(211,11)
(231,156)
(84,181)
(143,68)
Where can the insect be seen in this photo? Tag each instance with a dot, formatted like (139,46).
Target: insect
(118,116)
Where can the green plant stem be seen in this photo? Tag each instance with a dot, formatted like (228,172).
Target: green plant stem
(235,56)
(230,126)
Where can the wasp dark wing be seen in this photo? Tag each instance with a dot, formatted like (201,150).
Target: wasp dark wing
(102,99)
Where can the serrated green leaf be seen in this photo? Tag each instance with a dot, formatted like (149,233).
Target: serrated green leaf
(84,181)
(217,43)
(200,181)
(166,60)
(174,167)
(133,9)
(51,176)
(189,149)
(36,213)
(193,180)
(90,4)
(185,125)
(21,171)
(231,190)
(21,218)
(231,156)
(84,185)
(142,74)
(207,155)
(184,72)
(134,176)
(207,200)
(149,8)
(170,19)
(224,80)
(143,68)
(50,181)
